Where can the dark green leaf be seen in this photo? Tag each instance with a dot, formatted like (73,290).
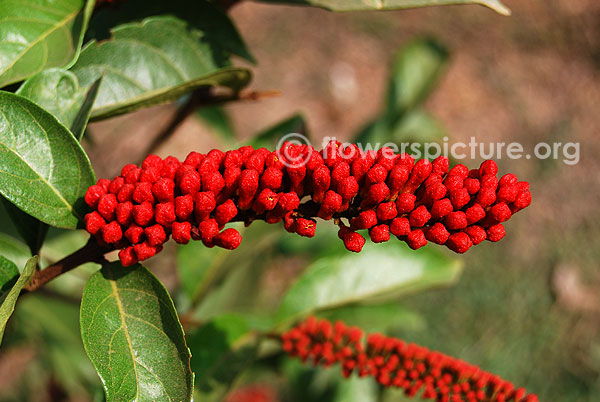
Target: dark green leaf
(153,62)
(379,272)
(8,276)
(31,229)
(351,5)
(8,304)
(13,249)
(415,127)
(270,137)
(39,34)
(221,349)
(217,28)
(133,337)
(416,70)
(58,91)
(43,170)
(218,121)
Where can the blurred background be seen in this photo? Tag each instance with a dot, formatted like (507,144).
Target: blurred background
(527,308)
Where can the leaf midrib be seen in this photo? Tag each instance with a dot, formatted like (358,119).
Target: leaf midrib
(115,293)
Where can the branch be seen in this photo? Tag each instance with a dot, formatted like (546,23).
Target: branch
(198,98)
(91,252)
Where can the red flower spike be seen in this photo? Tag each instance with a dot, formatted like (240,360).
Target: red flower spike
(354,242)
(416,239)
(229,239)
(143,213)
(379,233)
(165,214)
(204,204)
(143,251)
(94,222)
(126,193)
(386,211)
(380,191)
(225,212)
(459,242)
(496,232)
(128,257)
(392,362)
(208,230)
(419,217)
(306,227)
(134,234)
(124,213)
(181,232)
(364,220)
(437,233)
(400,227)
(405,203)
(115,186)
(155,234)
(107,205)
(190,183)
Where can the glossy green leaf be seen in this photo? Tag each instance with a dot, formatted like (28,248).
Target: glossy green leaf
(8,304)
(271,136)
(221,349)
(43,170)
(153,62)
(355,5)
(8,276)
(133,337)
(40,34)
(32,230)
(416,69)
(14,249)
(379,272)
(217,27)
(58,91)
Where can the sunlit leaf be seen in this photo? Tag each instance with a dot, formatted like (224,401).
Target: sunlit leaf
(39,34)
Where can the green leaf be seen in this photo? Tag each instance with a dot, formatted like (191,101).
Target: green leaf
(43,170)
(153,62)
(270,137)
(8,304)
(416,70)
(13,249)
(40,34)
(58,91)
(217,27)
(8,276)
(376,318)
(31,229)
(133,337)
(356,389)
(379,272)
(221,349)
(355,5)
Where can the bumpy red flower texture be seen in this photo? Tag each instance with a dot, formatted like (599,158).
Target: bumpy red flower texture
(382,193)
(395,363)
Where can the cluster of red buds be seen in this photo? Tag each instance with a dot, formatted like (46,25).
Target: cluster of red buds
(378,191)
(395,363)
